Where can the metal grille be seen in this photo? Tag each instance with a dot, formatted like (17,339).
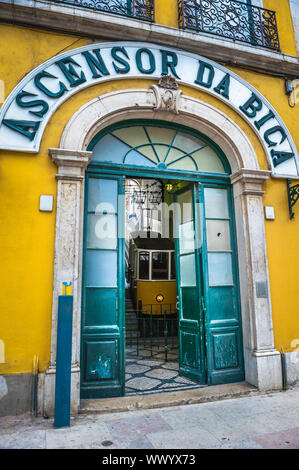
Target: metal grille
(141,9)
(153,329)
(239,21)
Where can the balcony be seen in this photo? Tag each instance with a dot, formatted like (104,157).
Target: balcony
(139,9)
(231,19)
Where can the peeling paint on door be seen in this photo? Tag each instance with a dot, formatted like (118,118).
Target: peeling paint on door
(102,367)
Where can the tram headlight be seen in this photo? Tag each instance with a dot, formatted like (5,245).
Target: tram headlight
(159,298)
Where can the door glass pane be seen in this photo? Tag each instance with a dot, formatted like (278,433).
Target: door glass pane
(136,137)
(161,151)
(220,269)
(101,268)
(188,271)
(173,154)
(148,151)
(185,164)
(186,206)
(144,265)
(132,136)
(102,231)
(159,265)
(137,159)
(216,205)
(161,134)
(110,150)
(186,234)
(102,195)
(218,235)
(187,143)
(208,160)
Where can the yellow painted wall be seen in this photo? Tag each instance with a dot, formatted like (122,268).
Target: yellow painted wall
(27,235)
(166,12)
(284,23)
(283,258)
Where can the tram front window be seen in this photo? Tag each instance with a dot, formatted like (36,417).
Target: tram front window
(172,269)
(159,266)
(143,265)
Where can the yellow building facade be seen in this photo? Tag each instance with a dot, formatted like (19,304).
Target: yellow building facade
(58,94)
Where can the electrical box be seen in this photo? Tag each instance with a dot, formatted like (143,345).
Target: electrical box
(269,213)
(46,203)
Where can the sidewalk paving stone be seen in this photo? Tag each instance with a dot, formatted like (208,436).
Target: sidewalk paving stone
(24,440)
(194,438)
(267,421)
(130,427)
(280,440)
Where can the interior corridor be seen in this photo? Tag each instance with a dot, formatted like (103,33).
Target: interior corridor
(152,349)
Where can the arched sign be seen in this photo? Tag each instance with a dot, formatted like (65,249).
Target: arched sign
(26,111)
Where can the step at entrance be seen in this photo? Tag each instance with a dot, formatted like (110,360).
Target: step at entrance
(190,397)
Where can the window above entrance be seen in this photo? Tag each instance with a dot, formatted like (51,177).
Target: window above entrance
(156,147)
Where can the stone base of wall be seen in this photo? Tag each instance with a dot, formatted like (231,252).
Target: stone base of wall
(15,394)
(292,367)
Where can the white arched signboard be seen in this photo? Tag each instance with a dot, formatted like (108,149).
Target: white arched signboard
(28,108)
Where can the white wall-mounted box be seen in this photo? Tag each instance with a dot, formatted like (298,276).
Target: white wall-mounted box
(269,213)
(46,203)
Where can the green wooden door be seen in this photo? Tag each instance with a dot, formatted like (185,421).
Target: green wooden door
(102,330)
(189,283)
(210,330)
(223,328)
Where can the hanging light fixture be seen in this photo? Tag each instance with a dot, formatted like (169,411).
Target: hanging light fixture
(155,197)
(171,187)
(140,196)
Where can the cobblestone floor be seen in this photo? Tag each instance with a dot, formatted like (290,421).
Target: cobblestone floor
(264,421)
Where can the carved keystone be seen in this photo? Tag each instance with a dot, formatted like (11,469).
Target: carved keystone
(167,94)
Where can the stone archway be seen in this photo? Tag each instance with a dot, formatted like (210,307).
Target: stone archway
(262,361)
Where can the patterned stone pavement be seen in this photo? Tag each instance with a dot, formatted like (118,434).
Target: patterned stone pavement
(148,372)
(264,421)
(146,377)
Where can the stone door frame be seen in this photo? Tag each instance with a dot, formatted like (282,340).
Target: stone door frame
(261,359)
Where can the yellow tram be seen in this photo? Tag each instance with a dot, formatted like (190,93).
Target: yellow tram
(153,275)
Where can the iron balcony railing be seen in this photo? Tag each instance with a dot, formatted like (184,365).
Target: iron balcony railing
(232,19)
(139,9)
